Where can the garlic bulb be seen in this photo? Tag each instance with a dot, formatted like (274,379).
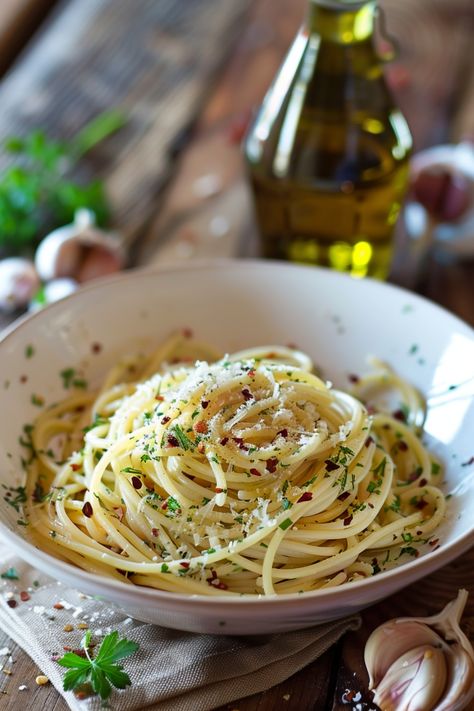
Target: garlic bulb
(79,251)
(18,283)
(422,664)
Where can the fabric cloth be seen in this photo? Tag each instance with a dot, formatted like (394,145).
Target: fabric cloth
(172,670)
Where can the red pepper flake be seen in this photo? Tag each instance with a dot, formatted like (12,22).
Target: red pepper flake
(75,467)
(348,520)
(413,476)
(136,482)
(255,472)
(96,347)
(353,378)
(418,533)
(331,466)
(369,441)
(58,606)
(271,464)
(187,332)
(201,447)
(468,463)
(215,582)
(423,482)
(12,603)
(434,542)
(172,441)
(201,427)
(165,420)
(247,394)
(348,696)
(218,490)
(399,415)
(270,356)
(307,496)
(154,532)
(160,398)
(240,442)
(204,404)
(23,379)
(164,505)
(251,373)
(224,441)
(345,495)
(421,504)
(185,564)
(87,509)
(283,432)
(24,596)
(402,446)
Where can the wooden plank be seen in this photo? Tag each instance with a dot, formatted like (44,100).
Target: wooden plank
(24,671)
(19,19)
(154,60)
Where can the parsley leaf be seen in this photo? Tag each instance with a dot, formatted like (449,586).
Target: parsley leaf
(102,671)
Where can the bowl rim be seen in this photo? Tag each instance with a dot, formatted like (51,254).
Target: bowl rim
(411,570)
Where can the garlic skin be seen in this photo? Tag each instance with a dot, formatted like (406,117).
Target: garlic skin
(413,668)
(19,282)
(80,251)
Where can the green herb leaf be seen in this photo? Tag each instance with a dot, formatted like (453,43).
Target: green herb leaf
(183,439)
(103,672)
(10,574)
(131,470)
(97,130)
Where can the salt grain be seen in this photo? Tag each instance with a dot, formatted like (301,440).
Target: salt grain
(23,687)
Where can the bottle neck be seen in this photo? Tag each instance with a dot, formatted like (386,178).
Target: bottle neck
(342,22)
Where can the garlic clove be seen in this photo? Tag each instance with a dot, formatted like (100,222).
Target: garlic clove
(80,251)
(414,682)
(18,283)
(394,646)
(460,686)
(391,640)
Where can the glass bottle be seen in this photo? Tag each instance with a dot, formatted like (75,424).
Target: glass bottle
(328,151)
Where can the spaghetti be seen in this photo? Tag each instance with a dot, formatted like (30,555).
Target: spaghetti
(246,474)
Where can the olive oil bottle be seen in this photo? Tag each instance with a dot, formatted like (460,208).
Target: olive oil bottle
(328,151)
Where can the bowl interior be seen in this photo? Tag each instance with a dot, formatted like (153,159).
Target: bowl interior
(337,320)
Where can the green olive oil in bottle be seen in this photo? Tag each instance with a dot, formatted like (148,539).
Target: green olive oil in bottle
(328,151)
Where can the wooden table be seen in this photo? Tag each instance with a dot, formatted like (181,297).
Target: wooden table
(180,193)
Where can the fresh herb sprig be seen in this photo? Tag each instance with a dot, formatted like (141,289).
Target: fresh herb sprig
(102,671)
(37,194)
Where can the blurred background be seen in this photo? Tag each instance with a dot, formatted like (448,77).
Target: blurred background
(180,80)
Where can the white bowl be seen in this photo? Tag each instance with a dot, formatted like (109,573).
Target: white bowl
(337,320)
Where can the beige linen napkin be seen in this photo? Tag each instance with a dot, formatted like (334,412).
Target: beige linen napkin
(172,670)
